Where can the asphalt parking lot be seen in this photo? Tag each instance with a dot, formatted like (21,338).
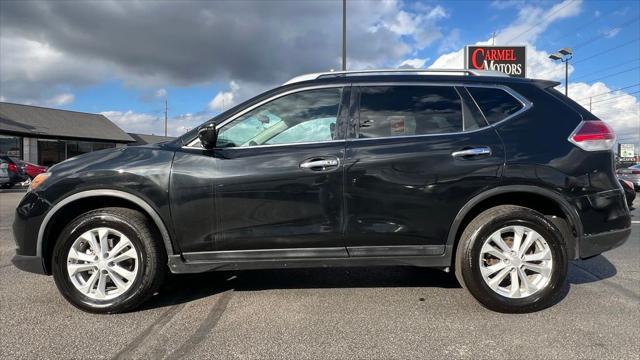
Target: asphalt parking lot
(382,313)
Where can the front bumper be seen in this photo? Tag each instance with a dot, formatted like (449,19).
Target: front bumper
(26,225)
(32,264)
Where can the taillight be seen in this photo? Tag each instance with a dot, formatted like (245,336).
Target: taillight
(635,172)
(593,135)
(12,168)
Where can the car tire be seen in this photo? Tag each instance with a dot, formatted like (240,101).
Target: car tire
(489,248)
(98,282)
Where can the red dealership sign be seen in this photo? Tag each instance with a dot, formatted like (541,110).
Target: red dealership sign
(510,60)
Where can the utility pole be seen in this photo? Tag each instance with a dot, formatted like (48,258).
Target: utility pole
(493,38)
(166,107)
(590,103)
(344,35)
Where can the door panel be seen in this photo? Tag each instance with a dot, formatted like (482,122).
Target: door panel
(257,198)
(274,182)
(268,201)
(280,183)
(406,190)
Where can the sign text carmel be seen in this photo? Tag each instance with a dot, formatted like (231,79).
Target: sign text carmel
(510,60)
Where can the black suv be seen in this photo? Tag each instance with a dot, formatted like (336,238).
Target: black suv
(503,180)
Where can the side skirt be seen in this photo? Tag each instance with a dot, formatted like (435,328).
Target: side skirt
(304,258)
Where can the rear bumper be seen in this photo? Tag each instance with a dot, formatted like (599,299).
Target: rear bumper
(596,244)
(32,264)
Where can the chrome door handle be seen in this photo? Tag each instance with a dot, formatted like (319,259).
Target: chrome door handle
(320,164)
(472,152)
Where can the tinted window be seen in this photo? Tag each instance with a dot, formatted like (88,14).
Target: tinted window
(306,116)
(409,110)
(471,115)
(496,104)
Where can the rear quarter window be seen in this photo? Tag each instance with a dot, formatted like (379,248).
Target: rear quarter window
(496,104)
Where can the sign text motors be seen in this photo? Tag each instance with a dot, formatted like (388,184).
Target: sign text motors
(510,60)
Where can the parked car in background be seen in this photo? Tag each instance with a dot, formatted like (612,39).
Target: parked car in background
(632,174)
(4,173)
(441,169)
(629,191)
(15,172)
(32,170)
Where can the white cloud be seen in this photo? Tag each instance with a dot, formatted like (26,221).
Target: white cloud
(452,60)
(506,4)
(161,93)
(450,42)
(611,32)
(413,63)
(224,99)
(437,12)
(533,21)
(420,26)
(146,123)
(31,70)
(61,99)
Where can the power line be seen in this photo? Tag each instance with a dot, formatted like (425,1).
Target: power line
(607,50)
(615,97)
(583,25)
(594,55)
(546,18)
(597,37)
(608,92)
(614,74)
(602,70)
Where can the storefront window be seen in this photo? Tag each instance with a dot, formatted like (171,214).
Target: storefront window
(101,146)
(75,148)
(11,146)
(50,152)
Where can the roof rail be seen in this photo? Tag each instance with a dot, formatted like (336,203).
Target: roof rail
(458,72)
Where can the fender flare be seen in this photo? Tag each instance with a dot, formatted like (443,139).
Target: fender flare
(105,192)
(572,215)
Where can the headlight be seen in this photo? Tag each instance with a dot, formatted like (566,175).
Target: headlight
(38,180)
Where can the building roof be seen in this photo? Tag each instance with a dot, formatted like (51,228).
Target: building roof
(143,139)
(35,121)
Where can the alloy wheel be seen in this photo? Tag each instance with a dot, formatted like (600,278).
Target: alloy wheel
(516,262)
(102,263)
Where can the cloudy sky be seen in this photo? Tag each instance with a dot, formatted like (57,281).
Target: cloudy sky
(123,58)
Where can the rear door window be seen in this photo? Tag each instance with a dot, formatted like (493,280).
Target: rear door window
(387,111)
(496,104)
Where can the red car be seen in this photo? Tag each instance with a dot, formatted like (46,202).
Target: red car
(33,170)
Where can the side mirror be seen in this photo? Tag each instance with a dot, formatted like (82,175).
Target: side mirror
(208,136)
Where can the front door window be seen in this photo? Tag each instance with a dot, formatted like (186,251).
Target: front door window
(306,116)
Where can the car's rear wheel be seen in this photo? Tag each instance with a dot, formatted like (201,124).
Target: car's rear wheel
(107,261)
(512,259)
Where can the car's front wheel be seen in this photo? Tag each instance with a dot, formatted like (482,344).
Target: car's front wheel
(512,259)
(107,261)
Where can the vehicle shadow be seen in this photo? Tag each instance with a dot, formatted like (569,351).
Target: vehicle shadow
(184,288)
(591,270)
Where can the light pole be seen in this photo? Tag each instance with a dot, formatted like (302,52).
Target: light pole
(344,35)
(564,55)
